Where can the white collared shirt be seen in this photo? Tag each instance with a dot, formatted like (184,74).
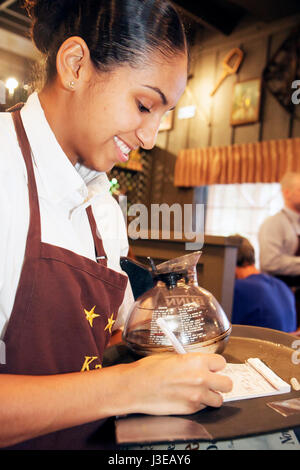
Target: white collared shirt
(64,193)
(278,243)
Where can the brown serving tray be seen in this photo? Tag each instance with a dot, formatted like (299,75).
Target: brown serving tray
(234,419)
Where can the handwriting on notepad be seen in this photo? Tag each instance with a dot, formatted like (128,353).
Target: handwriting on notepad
(248,382)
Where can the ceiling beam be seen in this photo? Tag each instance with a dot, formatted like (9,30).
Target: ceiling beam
(219,15)
(17,45)
(7,4)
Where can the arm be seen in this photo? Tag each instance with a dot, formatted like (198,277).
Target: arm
(275,254)
(31,406)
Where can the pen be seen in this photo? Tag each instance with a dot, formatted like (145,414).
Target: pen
(170,335)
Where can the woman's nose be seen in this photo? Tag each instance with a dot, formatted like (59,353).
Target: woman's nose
(147,134)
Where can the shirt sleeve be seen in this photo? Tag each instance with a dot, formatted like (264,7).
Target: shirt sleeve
(275,248)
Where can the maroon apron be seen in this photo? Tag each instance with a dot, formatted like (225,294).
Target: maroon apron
(64,310)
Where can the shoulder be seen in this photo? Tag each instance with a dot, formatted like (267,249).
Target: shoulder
(251,285)
(278,284)
(273,222)
(274,219)
(10,161)
(13,175)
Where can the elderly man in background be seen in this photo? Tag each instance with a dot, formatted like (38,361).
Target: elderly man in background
(279,238)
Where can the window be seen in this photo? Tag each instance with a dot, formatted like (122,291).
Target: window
(241,208)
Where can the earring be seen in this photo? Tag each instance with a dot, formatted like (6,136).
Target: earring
(71,84)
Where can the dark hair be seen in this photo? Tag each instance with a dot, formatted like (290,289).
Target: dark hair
(115,31)
(246,252)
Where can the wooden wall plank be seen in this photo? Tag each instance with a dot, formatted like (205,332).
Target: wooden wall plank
(13,65)
(252,67)
(259,42)
(221,131)
(199,89)
(275,119)
(16,44)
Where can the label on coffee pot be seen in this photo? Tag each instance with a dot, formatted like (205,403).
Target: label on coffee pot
(185,321)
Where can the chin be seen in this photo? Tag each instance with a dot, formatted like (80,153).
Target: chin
(99,166)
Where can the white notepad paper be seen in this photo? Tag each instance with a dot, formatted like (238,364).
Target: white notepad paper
(253,379)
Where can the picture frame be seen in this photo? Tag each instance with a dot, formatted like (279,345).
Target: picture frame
(166,124)
(246,100)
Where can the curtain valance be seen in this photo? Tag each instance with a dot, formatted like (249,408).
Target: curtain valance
(258,162)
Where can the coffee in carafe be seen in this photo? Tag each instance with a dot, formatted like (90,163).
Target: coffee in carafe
(190,312)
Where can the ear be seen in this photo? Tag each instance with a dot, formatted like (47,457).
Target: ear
(286,193)
(72,62)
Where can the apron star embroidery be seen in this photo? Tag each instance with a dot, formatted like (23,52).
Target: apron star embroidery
(110,323)
(90,315)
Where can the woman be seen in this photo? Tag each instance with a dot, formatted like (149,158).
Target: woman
(113,68)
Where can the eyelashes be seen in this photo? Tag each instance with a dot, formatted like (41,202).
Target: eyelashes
(143,108)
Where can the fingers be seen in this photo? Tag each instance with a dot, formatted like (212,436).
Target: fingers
(185,383)
(219,382)
(214,362)
(213,399)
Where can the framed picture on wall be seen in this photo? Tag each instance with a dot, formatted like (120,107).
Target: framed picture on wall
(166,124)
(246,102)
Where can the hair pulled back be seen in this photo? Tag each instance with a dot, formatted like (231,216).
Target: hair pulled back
(115,31)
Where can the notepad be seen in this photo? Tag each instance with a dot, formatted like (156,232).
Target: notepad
(253,379)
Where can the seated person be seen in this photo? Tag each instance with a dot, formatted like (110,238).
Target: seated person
(260,299)
(279,238)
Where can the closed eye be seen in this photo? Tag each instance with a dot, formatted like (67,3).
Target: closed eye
(143,108)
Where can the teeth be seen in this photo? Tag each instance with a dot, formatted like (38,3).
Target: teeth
(122,146)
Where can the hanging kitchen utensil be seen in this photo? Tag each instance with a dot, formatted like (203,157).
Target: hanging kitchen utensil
(230,65)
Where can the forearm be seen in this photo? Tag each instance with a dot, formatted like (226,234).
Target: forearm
(278,263)
(158,384)
(31,406)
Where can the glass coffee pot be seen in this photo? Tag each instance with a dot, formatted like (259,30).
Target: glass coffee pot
(192,313)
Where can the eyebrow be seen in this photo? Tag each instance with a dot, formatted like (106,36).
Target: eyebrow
(161,94)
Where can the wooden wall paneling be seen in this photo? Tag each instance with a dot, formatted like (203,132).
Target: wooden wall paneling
(275,119)
(13,65)
(162,180)
(200,86)
(221,105)
(162,189)
(259,41)
(295,131)
(157,175)
(252,67)
(296,124)
(177,138)
(162,139)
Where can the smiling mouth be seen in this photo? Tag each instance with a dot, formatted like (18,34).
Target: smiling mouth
(125,149)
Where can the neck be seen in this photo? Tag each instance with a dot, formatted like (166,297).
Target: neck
(54,104)
(292,207)
(241,272)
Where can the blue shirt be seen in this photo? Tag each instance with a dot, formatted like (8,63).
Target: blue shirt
(263,300)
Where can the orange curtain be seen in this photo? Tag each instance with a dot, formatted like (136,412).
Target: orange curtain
(259,162)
